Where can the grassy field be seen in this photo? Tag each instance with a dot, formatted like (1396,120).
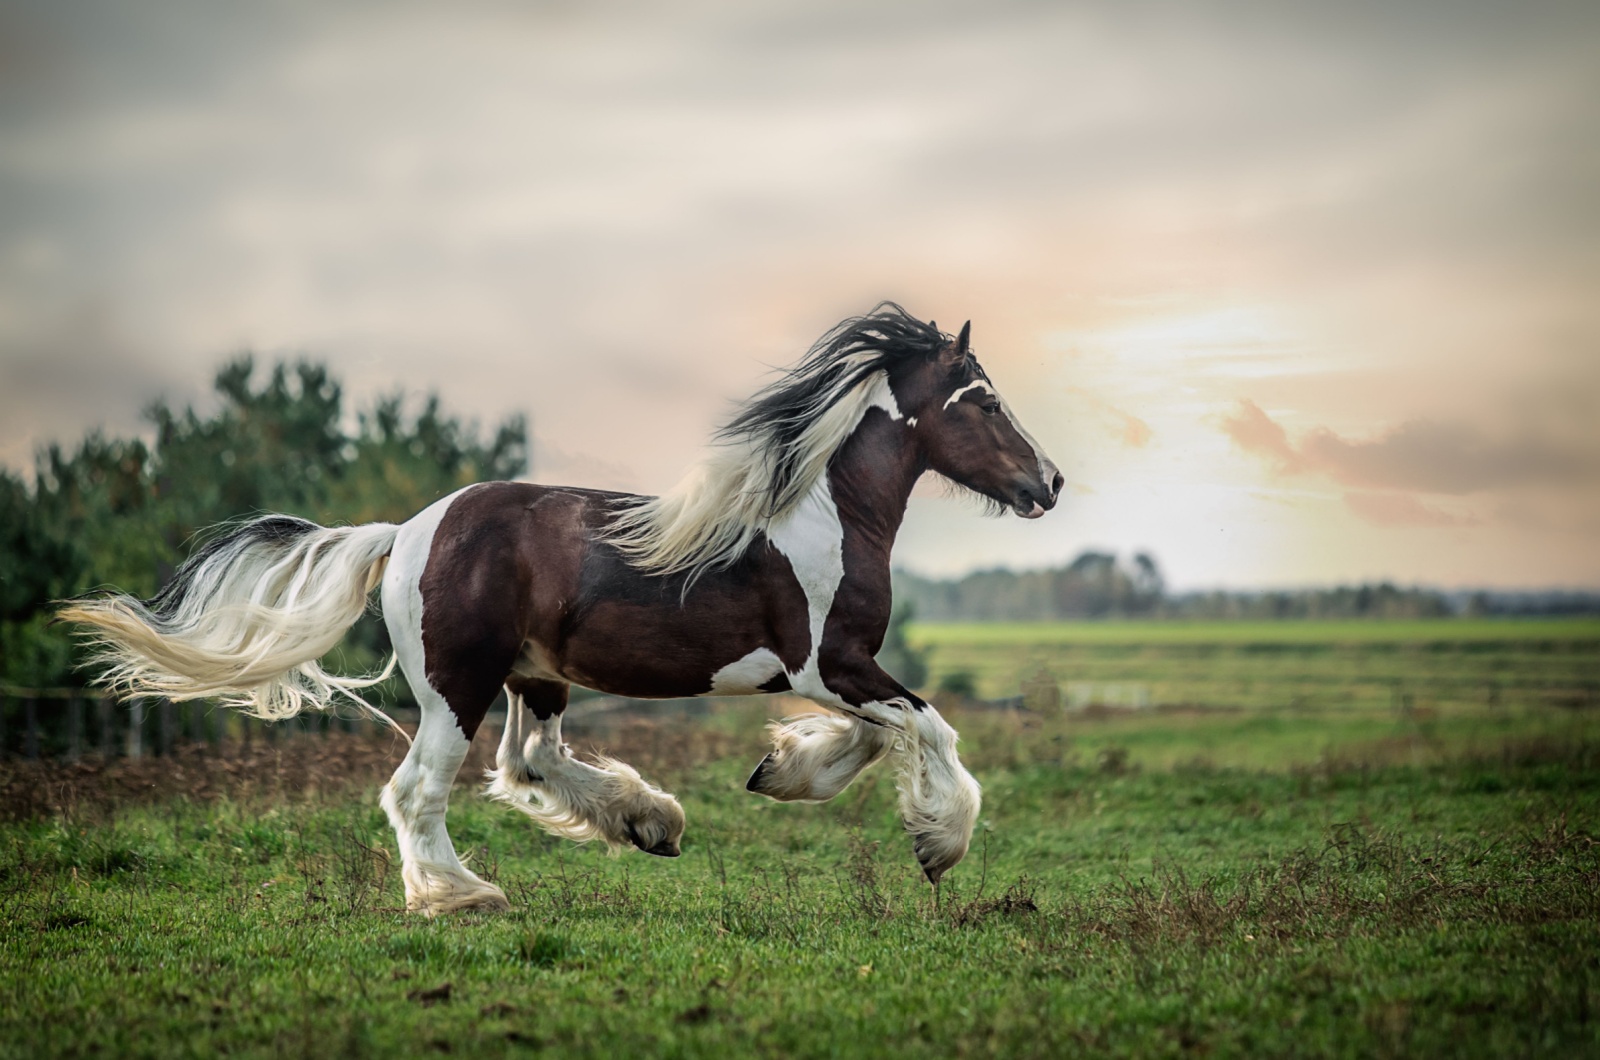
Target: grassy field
(1444,663)
(1230,880)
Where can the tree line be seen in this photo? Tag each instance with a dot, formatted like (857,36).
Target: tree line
(124,512)
(1101,585)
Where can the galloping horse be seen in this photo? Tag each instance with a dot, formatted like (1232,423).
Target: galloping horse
(766,569)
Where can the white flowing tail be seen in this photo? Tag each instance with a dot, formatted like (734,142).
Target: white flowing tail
(246,618)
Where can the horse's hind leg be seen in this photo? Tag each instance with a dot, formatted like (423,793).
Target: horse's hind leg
(816,756)
(416,799)
(465,665)
(537,775)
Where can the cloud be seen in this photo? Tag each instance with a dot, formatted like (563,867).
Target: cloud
(1136,433)
(1125,427)
(1255,432)
(1422,455)
(1401,509)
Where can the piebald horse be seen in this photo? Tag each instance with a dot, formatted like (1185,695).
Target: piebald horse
(766,569)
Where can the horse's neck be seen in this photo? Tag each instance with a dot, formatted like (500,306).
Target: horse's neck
(869,482)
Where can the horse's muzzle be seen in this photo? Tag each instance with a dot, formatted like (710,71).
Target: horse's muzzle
(1034,499)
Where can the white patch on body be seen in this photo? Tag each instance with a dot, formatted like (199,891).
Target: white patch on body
(880,395)
(535,662)
(811,537)
(744,677)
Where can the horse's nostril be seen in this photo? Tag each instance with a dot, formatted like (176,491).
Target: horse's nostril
(1056,484)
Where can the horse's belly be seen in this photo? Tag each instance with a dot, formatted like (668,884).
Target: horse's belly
(664,671)
(748,675)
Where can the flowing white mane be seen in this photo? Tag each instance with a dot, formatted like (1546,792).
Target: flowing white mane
(774,452)
(716,510)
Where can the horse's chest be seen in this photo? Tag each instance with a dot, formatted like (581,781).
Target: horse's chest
(811,538)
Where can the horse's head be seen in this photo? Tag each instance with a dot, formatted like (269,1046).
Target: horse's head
(969,435)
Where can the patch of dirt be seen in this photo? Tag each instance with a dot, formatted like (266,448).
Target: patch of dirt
(306,766)
(295,769)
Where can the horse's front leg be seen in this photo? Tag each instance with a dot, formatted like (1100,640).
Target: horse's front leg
(939,799)
(816,756)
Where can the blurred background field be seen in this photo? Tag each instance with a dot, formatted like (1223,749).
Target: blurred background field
(1428,665)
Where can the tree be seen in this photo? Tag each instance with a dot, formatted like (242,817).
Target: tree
(118,512)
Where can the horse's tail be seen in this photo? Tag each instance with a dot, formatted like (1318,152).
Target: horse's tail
(245,619)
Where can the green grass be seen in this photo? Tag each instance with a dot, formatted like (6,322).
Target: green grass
(1233,882)
(1338,666)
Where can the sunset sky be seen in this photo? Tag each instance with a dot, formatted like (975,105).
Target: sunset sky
(1294,294)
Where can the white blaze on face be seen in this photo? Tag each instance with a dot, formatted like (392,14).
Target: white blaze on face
(1047,468)
(976,384)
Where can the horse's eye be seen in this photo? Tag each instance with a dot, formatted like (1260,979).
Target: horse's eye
(990,408)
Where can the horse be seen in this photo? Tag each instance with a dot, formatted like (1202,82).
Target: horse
(765,569)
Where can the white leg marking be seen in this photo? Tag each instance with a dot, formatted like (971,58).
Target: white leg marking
(939,799)
(417,796)
(816,756)
(609,801)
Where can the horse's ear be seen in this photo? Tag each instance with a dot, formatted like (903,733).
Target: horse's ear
(953,353)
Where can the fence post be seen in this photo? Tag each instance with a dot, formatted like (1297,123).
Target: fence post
(134,745)
(30,715)
(74,727)
(107,732)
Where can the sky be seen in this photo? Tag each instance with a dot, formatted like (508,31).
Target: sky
(1294,294)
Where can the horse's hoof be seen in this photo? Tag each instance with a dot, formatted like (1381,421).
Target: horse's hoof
(936,859)
(762,768)
(490,899)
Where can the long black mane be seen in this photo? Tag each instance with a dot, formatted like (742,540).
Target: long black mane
(775,417)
